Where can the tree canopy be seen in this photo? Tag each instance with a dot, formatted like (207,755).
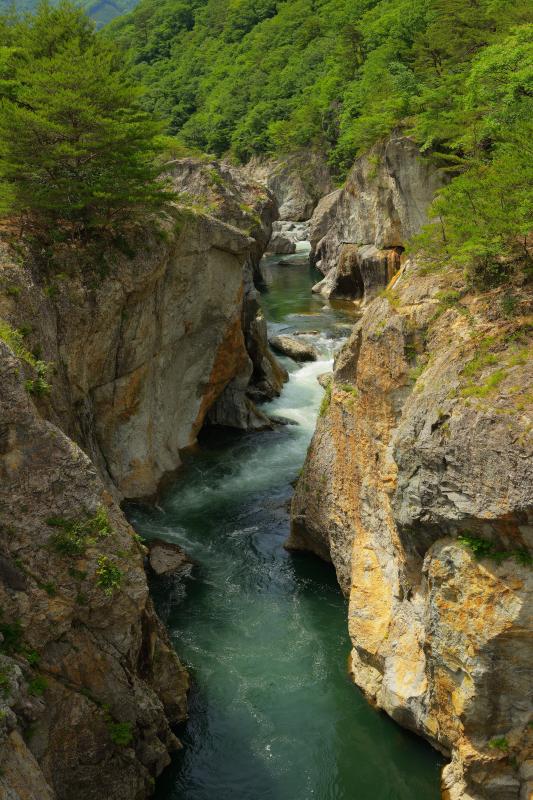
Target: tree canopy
(77,151)
(248,77)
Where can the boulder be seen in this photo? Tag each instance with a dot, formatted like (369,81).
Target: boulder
(360,272)
(325,379)
(294,348)
(286,236)
(167,558)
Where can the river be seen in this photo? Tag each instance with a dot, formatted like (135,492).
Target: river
(273,714)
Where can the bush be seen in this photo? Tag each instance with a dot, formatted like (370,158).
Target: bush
(109,576)
(38,686)
(73,536)
(121,733)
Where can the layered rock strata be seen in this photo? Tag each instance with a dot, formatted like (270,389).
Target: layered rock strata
(418,487)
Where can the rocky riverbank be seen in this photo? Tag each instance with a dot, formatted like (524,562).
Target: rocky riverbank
(417,486)
(111,362)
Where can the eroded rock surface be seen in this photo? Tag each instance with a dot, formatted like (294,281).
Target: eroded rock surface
(294,348)
(358,233)
(286,236)
(90,682)
(149,342)
(418,487)
(168,559)
(144,340)
(297,182)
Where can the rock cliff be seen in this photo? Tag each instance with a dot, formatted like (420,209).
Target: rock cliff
(155,336)
(89,684)
(111,360)
(417,486)
(358,233)
(297,182)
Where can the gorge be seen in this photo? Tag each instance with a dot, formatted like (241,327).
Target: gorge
(266,458)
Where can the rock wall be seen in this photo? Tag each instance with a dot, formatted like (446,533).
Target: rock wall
(297,182)
(358,233)
(417,486)
(89,683)
(145,341)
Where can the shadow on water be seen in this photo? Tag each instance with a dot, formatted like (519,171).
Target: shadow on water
(273,714)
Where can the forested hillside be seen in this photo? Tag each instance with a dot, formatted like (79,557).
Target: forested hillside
(249,77)
(101,11)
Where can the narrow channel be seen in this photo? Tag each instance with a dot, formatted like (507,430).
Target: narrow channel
(273,714)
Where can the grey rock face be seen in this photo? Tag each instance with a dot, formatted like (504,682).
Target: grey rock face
(361,272)
(383,204)
(82,627)
(297,182)
(146,351)
(422,459)
(142,348)
(287,235)
(294,348)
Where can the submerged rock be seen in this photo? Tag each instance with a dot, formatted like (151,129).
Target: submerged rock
(417,486)
(294,348)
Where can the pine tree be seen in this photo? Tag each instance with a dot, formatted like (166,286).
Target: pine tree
(76,150)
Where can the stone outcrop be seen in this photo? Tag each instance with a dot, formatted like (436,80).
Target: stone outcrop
(90,685)
(294,348)
(145,349)
(297,182)
(358,231)
(111,360)
(361,272)
(417,486)
(286,236)
(168,559)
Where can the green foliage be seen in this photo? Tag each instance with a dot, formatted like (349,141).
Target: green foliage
(77,153)
(326,401)
(109,576)
(74,536)
(483,548)
(39,386)
(499,743)
(121,733)
(12,636)
(5,684)
(509,304)
(38,686)
(349,389)
(246,77)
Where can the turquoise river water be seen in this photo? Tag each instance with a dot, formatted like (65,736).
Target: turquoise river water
(273,714)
